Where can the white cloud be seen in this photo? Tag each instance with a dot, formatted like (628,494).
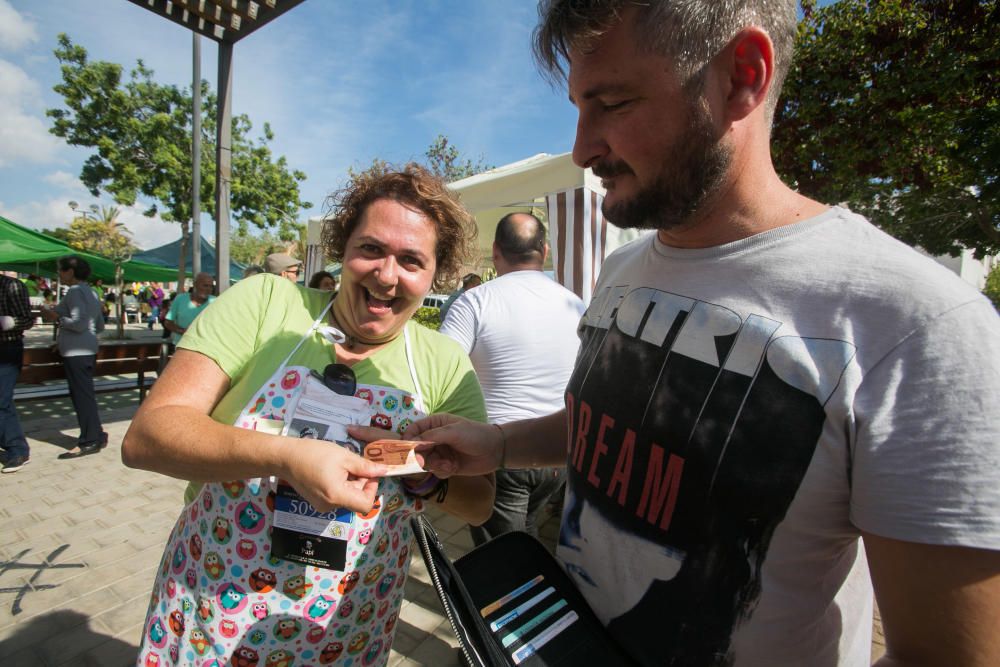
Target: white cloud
(62,179)
(24,136)
(16,32)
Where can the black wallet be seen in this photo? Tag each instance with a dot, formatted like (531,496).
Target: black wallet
(511,603)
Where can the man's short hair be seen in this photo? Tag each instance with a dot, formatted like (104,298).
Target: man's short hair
(518,243)
(688,32)
(277,262)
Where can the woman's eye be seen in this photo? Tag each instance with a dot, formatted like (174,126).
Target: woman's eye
(410,260)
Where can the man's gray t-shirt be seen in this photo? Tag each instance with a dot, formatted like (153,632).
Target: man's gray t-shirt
(739,414)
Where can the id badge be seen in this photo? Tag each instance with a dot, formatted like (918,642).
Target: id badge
(303,534)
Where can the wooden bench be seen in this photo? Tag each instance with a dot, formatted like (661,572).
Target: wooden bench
(42,364)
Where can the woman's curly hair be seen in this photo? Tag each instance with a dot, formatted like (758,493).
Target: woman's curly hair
(417,188)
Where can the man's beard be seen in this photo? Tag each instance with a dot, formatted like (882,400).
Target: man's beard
(692,170)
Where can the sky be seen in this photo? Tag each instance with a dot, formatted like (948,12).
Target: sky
(341,82)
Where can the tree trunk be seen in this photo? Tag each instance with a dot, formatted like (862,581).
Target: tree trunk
(120,298)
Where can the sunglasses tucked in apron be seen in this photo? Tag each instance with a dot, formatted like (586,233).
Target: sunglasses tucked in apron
(219,598)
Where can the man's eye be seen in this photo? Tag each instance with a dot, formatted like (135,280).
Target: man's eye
(615,106)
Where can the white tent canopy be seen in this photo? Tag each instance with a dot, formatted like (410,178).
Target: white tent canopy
(569,196)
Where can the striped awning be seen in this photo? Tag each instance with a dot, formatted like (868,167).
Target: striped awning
(581,238)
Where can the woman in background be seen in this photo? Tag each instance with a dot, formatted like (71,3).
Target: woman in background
(323,280)
(80,319)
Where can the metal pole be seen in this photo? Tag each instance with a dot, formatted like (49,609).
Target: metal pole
(223,164)
(195,155)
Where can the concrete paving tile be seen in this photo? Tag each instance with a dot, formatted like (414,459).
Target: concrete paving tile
(20,523)
(419,617)
(434,651)
(69,647)
(111,653)
(65,553)
(395,657)
(23,658)
(406,662)
(133,635)
(414,588)
(446,524)
(98,499)
(446,634)
(126,616)
(89,595)
(36,630)
(41,529)
(138,585)
(15,510)
(111,536)
(110,554)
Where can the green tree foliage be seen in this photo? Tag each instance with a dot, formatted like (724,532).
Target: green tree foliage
(429,317)
(102,235)
(891,107)
(249,248)
(141,133)
(62,233)
(992,288)
(445,161)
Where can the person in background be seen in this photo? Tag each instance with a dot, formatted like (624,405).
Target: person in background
(80,320)
(33,284)
(323,280)
(155,301)
(98,287)
(469,281)
(216,413)
(167,305)
(777,407)
(15,319)
(519,330)
(280,264)
(186,306)
(252,270)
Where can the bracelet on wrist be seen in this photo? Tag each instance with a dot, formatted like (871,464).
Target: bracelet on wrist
(428,487)
(503,447)
(424,486)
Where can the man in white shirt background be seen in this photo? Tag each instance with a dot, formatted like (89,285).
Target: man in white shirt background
(520,333)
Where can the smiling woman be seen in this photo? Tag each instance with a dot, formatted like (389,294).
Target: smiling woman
(216,414)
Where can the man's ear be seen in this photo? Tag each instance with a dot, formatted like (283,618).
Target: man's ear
(748,60)
(545,252)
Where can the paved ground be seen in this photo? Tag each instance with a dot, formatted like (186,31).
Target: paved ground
(81,540)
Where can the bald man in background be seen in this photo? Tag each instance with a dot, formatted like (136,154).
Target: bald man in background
(520,333)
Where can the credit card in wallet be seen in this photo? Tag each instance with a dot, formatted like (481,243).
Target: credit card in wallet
(397,454)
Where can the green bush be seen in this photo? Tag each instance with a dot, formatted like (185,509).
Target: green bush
(429,317)
(992,288)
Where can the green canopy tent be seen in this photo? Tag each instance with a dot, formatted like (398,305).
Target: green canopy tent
(27,251)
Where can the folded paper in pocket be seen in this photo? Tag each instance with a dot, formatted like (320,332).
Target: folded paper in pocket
(397,454)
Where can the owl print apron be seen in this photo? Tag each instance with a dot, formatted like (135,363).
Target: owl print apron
(219,598)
